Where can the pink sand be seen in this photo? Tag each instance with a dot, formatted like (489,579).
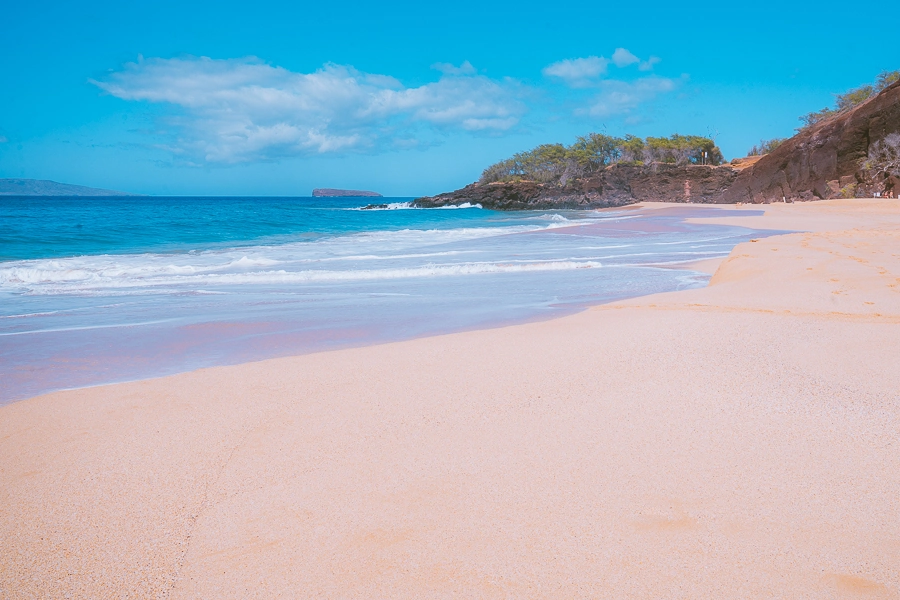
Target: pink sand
(738,441)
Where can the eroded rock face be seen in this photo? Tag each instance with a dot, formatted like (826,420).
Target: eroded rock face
(617,185)
(826,161)
(833,159)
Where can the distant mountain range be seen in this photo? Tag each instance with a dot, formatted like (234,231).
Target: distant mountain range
(44,187)
(333,193)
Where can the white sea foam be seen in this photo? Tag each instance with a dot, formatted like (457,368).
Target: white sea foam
(407,247)
(463,205)
(45,281)
(410,206)
(363,286)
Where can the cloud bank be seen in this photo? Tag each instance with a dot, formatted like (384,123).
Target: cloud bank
(611,97)
(243,110)
(578,72)
(623,97)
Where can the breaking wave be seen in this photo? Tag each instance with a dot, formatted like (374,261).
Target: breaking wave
(409,206)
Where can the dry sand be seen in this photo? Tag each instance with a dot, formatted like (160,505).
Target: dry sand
(739,441)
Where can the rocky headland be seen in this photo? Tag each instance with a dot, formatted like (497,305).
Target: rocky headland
(851,153)
(617,185)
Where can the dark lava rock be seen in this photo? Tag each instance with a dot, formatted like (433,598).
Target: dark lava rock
(827,160)
(617,185)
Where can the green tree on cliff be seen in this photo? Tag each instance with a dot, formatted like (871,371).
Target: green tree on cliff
(849,99)
(765,146)
(595,151)
(555,163)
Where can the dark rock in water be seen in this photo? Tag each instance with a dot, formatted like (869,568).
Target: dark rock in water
(374,207)
(617,185)
(45,187)
(333,193)
(839,157)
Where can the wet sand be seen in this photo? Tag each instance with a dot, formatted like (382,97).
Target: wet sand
(736,441)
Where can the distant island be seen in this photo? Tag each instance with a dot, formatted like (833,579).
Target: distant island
(45,187)
(333,193)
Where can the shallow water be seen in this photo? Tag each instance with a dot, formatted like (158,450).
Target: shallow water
(102,290)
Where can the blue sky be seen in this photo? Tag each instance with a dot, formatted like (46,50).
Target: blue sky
(275,98)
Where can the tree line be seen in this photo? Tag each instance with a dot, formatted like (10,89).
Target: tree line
(556,163)
(847,100)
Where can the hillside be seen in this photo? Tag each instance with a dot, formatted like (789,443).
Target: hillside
(850,154)
(44,187)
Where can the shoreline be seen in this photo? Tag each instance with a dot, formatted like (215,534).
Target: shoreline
(177,342)
(736,440)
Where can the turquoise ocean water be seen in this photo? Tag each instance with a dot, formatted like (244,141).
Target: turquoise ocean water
(99,290)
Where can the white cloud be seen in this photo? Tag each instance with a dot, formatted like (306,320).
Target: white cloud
(578,72)
(623,97)
(647,65)
(611,96)
(449,69)
(239,110)
(622,58)
(588,72)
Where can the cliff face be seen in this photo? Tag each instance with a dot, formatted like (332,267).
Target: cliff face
(617,185)
(827,160)
(856,153)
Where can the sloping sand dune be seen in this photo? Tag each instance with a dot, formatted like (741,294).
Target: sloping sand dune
(739,441)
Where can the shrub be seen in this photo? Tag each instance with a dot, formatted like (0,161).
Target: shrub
(885,79)
(854,97)
(633,150)
(555,163)
(595,151)
(848,191)
(766,146)
(812,118)
(849,99)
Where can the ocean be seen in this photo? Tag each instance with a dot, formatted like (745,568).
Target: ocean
(102,290)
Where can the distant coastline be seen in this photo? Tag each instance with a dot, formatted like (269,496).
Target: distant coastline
(45,187)
(336,193)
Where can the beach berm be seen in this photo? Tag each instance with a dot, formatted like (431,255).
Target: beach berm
(735,441)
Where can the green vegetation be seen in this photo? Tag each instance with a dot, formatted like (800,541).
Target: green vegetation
(848,191)
(766,146)
(847,100)
(555,163)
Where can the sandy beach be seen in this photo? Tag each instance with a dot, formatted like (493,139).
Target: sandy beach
(736,441)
